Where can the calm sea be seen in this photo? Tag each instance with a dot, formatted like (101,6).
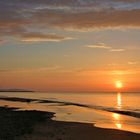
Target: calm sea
(107,110)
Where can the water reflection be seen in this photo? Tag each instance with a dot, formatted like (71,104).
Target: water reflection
(117,120)
(119,101)
(119,125)
(117,117)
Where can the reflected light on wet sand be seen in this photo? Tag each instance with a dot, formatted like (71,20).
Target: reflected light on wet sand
(119,101)
(119,126)
(116,117)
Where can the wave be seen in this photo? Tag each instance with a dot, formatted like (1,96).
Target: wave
(63,103)
(113,110)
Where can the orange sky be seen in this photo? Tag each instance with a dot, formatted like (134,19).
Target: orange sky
(66,46)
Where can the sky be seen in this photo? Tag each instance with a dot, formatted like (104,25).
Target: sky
(70,45)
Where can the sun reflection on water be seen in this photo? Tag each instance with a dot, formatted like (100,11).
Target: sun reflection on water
(117,117)
(119,101)
(118,125)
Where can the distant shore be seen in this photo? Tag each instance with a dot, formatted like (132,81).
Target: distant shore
(37,125)
(30,90)
(16,90)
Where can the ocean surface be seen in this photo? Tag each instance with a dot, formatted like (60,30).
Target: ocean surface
(106,110)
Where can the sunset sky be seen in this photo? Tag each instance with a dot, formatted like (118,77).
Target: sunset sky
(70,45)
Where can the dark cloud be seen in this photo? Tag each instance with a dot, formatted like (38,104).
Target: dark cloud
(1,41)
(88,20)
(126,1)
(36,37)
(17,17)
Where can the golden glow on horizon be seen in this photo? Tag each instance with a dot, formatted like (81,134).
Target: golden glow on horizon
(119,84)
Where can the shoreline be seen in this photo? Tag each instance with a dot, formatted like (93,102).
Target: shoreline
(30,100)
(38,125)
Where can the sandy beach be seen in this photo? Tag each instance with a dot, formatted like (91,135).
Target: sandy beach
(69,69)
(56,130)
(38,125)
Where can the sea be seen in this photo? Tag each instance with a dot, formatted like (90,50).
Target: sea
(114,110)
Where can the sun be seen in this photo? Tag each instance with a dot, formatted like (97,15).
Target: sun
(119,84)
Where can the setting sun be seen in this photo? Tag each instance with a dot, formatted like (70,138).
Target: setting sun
(119,84)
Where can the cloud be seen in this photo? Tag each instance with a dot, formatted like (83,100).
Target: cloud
(67,55)
(104,46)
(125,72)
(127,1)
(108,72)
(88,20)
(37,37)
(132,62)
(120,72)
(1,41)
(99,46)
(117,50)
(18,17)
(30,70)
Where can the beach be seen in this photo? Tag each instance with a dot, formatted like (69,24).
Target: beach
(69,69)
(44,116)
(57,130)
(38,125)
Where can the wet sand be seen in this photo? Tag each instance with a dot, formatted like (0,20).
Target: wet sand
(38,125)
(57,130)
(62,103)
